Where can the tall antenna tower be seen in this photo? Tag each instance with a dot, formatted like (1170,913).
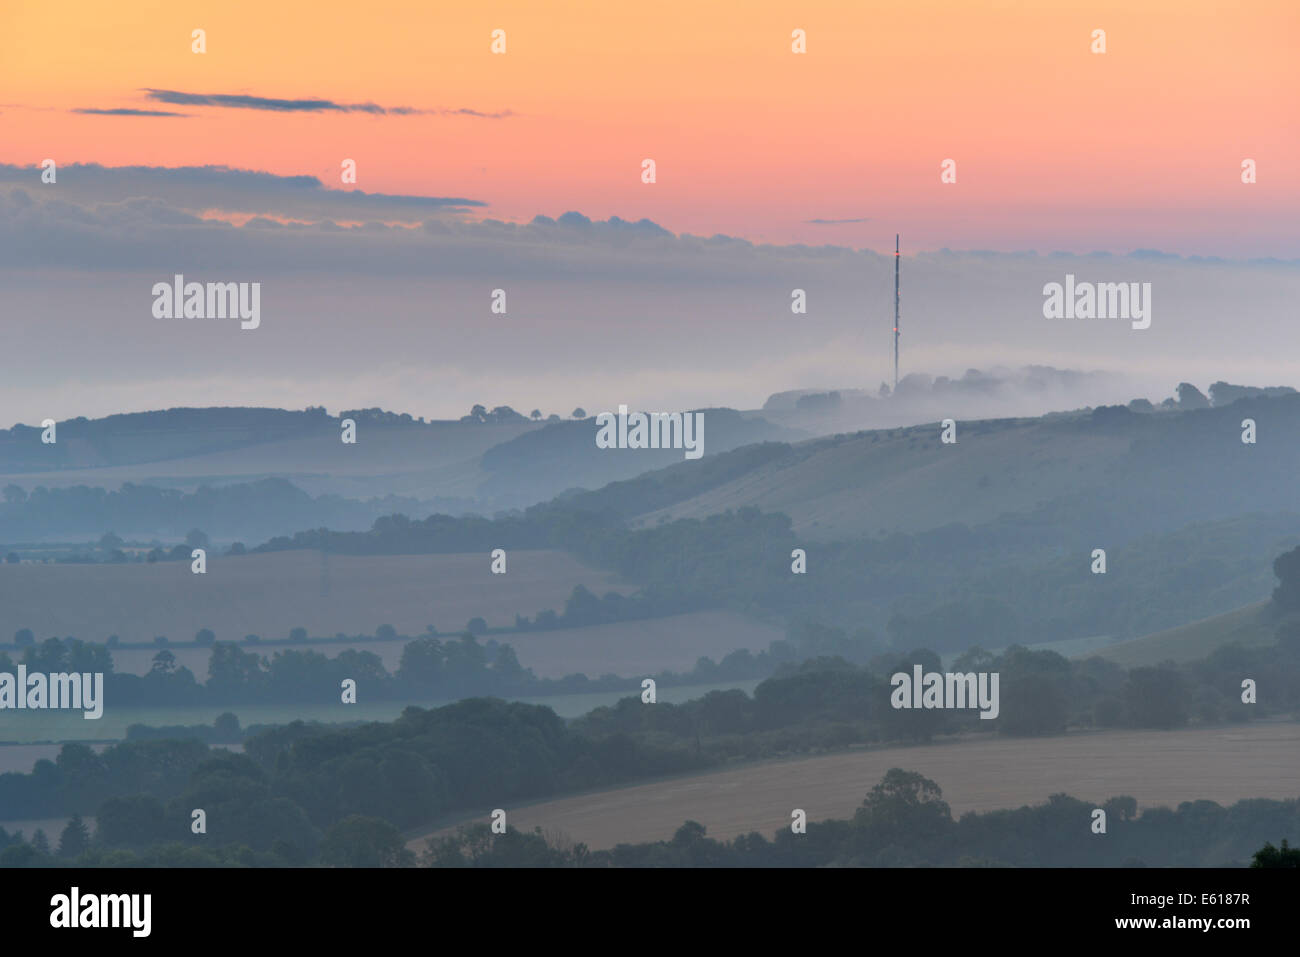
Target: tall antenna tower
(895,312)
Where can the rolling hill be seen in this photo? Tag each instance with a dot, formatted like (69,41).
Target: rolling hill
(457,467)
(1252,625)
(1106,475)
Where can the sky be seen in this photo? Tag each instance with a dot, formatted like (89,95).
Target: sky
(1056,147)
(523,171)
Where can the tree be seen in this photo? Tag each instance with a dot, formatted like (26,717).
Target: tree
(476,626)
(75,839)
(110,540)
(164,663)
(24,638)
(205,636)
(234,673)
(196,538)
(386,633)
(237,549)
(1121,808)
(1286,596)
(14,495)
(1270,856)
(579,413)
(1288,636)
(506,664)
(1156,698)
(503,413)
(12,558)
(19,855)
(226,726)
(360,841)
(689,833)
(41,843)
(421,662)
(298,634)
(1190,397)
(904,809)
(535,414)
(135,820)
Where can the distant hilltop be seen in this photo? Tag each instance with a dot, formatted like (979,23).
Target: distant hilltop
(1029,391)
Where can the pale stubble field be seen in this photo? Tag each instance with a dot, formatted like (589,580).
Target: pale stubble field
(1223,765)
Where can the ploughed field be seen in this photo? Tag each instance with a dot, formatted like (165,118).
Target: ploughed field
(1223,765)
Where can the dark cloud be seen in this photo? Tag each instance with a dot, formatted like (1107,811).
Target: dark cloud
(197,189)
(242,101)
(123,111)
(479,113)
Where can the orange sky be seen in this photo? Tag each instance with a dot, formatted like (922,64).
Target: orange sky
(1056,147)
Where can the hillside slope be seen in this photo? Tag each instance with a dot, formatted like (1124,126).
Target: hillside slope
(1104,476)
(1250,625)
(455,467)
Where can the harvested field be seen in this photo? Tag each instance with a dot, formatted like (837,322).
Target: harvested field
(1155,767)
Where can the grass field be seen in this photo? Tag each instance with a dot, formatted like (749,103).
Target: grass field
(1157,768)
(268,594)
(1249,625)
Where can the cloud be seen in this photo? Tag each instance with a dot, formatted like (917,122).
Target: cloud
(600,311)
(123,111)
(199,189)
(467,112)
(242,101)
(835,222)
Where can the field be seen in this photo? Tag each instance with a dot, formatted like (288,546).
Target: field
(1157,768)
(22,736)
(268,594)
(1249,625)
(627,649)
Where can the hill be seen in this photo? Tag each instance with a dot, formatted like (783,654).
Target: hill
(1251,626)
(478,464)
(1104,476)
